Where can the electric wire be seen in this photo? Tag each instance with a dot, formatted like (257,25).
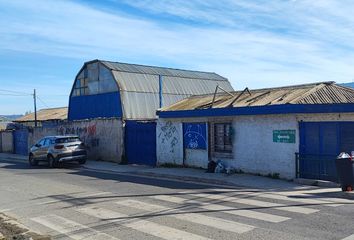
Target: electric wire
(42,101)
(15,92)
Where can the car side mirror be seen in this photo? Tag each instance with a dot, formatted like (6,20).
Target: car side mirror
(37,145)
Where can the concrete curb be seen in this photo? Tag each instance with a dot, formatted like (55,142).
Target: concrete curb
(314,182)
(18,230)
(170,177)
(191,179)
(301,181)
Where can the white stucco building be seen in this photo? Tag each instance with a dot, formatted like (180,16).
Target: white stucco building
(261,131)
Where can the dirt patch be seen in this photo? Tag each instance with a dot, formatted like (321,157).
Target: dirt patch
(10,229)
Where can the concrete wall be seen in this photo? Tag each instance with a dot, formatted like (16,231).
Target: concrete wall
(6,142)
(253,148)
(103,137)
(169,142)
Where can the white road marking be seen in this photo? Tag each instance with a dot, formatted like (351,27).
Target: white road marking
(304,196)
(246,213)
(148,227)
(296,198)
(70,228)
(217,207)
(214,222)
(173,199)
(257,203)
(70,197)
(351,237)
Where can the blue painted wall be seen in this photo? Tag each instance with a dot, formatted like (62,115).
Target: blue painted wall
(194,135)
(257,110)
(93,106)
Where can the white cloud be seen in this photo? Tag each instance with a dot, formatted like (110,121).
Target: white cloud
(256,44)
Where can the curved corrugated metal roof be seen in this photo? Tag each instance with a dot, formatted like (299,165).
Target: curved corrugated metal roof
(136,68)
(139,86)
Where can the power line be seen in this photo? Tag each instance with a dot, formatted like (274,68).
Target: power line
(16,95)
(16,92)
(42,101)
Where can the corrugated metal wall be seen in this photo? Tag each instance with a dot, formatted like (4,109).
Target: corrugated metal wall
(140,92)
(94,106)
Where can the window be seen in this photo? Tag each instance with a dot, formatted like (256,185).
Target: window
(81,87)
(67,140)
(41,142)
(47,142)
(94,79)
(223,137)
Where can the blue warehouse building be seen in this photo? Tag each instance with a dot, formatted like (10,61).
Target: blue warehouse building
(133,93)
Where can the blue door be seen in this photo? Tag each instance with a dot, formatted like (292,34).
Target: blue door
(20,138)
(320,144)
(140,142)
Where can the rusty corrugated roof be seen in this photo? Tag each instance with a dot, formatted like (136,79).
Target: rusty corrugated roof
(46,114)
(316,93)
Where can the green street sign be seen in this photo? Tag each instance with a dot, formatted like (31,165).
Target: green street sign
(284,136)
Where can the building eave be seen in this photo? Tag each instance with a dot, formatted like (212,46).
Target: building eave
(260,110)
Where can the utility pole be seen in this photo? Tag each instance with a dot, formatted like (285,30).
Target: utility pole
(35,107)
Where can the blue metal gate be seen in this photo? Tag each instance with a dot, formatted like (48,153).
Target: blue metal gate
(140,142)
(320,143)
(20,138)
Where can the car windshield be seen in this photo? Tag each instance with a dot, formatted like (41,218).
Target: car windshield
(67,140)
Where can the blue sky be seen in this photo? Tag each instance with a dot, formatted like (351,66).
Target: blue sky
(260,43)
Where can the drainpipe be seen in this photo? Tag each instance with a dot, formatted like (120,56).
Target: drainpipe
(160,91)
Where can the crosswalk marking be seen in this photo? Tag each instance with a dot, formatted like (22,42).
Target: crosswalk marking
(173,199)
(217,207)
(303,196)
(163,231)
(257,203)
(297,199)
(73,197)
(214,222)
(148,227)
(327,201)
(246,213)
(351,237)
(73,229)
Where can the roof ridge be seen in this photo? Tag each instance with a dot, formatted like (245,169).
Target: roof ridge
(275,88)
(152,66)
(51,108)
(293,86)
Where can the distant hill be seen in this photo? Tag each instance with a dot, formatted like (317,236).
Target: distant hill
(9,118)
(350,84)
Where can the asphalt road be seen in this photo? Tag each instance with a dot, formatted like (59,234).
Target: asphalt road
(74,203)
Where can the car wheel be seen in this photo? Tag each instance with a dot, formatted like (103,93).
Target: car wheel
(32,161)
(52,163)
(83,161)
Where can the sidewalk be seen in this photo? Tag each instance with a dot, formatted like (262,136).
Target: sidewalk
(190,174)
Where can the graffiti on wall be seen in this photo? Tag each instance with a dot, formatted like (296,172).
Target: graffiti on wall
(86,133)
(168,135)
(194,135)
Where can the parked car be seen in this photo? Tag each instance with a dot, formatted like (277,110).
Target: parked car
(58,149)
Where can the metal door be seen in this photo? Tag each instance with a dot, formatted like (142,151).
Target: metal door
(20,138)
(320,143)
(140,142)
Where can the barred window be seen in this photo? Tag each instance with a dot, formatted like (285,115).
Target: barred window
(223,137)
